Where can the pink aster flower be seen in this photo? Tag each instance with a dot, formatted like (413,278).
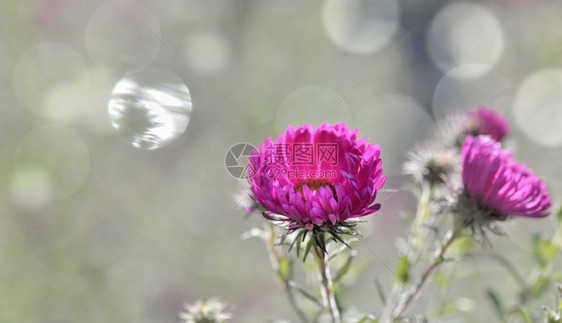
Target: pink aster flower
(499,186)
(314,177)
(452,129)
(485,121)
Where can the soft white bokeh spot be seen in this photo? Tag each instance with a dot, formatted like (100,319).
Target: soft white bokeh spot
(465,33)
(314,105)
(51,162)
(538,107)
(90,94)
(150,109)
(207,52)
(465,304)
(454,92)
(122,36)
(43,68)
(405,115)
(361,26)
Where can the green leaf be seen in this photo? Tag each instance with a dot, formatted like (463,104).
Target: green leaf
(447,308)
(559,214)
(441,280)
(304,293)
(337,251)
(345,267)
(284,268)
(539,286)
(380,291)
(368,319)
(403,270)
(495,302)
(462,245)
(320,243)
(307,249)
(543,250)
(525,315)
(337,237)
(297,241)
(556,277)
(549,250)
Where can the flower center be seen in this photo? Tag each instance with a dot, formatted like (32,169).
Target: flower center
(314,185)
(438,167)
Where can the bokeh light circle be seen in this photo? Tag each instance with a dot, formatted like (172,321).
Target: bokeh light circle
(123,36)
(465,33)
(51,162)
(454,93)
(538,107)
(91,96)
(207,52)
(402,113)
(314,105)
(361,26)
(150,109)
(40,69)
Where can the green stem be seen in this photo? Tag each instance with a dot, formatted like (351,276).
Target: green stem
(422,213)
(327,285)
(403,304)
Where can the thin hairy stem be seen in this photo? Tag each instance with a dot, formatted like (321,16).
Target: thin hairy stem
(417,233)
(327,285)
(403,305)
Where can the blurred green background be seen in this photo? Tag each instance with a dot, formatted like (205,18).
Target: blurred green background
(95,229)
